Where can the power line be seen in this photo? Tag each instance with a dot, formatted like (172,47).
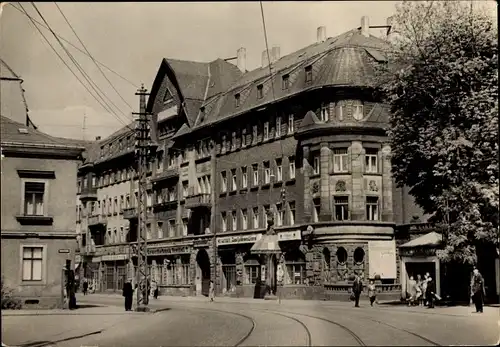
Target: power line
(72,45)
(90,55)
(64,62)
(78,66)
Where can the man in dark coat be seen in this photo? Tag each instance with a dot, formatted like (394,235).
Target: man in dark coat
(477,290)
(357,288)
(430,292)
(128,293)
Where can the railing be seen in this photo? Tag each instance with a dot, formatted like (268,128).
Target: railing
(130,213)
(170,172)
(198,200)
(346,287)
(97,219)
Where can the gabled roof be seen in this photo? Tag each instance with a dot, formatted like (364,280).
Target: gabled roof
(340,61)
(431,239)
(15,132)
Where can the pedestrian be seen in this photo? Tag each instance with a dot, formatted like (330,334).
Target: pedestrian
(154,288)
(430,292)
(85,285)
(211,291)
(412,291)
(128,292)
(418,289)
(477,290)
(372,292)
(424,288)
(357,288)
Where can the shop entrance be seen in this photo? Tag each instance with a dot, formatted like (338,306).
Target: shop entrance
(202,272)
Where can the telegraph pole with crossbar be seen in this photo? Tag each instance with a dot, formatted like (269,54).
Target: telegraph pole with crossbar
(144,152)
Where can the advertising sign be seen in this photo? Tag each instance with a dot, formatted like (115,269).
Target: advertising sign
(238,239)
(382,255)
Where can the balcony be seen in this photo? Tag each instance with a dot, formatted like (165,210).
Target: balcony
(171,172)
(198,200)
(99,219)
(130,213)
(88,194)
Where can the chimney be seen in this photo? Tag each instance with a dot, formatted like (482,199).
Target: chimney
(265,58)
(242,59)
(365,26)
(275,54)
(97,138)
(392,31)
(321,34)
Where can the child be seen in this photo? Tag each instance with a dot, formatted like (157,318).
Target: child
(372,292)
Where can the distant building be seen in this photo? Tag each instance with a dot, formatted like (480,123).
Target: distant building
(230,141)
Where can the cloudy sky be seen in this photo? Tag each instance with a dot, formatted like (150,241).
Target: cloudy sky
(132,38)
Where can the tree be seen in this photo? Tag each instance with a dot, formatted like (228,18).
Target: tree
(441,82)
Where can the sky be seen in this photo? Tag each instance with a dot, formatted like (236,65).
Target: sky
(132,38)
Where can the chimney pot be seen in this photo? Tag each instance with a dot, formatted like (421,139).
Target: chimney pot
(321,34)
(242,59)
(365,26)
(97,138)
(265,58)
(275,54)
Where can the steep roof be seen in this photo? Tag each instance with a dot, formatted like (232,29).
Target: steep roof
(15,132)
(344,60)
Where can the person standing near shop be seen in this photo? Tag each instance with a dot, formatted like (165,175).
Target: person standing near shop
(477,290)
(357,288)
(430,292)
(128,292)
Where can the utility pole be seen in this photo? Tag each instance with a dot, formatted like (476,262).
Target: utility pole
(144,150)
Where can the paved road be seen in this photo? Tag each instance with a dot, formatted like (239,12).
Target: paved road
(247,322)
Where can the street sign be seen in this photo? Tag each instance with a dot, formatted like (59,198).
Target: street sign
(64,250)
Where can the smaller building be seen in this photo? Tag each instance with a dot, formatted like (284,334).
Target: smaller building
(38,224)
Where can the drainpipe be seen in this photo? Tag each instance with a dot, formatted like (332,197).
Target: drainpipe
(213,214)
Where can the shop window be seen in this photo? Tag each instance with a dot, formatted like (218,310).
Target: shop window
(175,271)
(252,270)
(359,255)
(228,279)
(341,255)
(295,267)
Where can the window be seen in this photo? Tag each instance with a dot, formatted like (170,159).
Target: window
(124,173)
(371,160)
(267,173)
(325,112)
(255,134)
(244,178)
(33,198)
(244,219)
(171,160)
(223,187)
(372,208)
(234,184)
(234,221)
(171,194)
(279,171)
(280,214)
(340,160)
(32,263)
(341,207)
(159,163)
(278,127)
(340,111)
(255,217)
(357,111)
(223,221)
(291,127)
(237,100)
(223,144)
(295,268)
(167,97)
(185,189)
(243,137)
(291,216)
(233,141)
(316,164)
(252,270)
(260,91)
(266,131)
(291,167)
(85,182)
(285,81)
(341,255)
(171,228)
(127,201)
(148,232)
(122,202)
(316,210)
(255,172)
(309,75)
(94,182)
(184,226)
(159,229)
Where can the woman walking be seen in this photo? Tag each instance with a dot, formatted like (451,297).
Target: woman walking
(372,292)
(211,291)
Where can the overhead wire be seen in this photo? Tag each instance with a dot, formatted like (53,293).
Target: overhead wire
(91,57)
(64,62)
(74,46)
(92,84)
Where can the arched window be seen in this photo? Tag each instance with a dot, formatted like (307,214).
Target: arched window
(326,258)
(295,267)
(341,255)
(359,255)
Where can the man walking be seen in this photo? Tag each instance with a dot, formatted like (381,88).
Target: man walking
(357,288)
(431,291)
(477,290)
(85,285)
(128,293)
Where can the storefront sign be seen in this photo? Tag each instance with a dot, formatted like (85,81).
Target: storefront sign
(111,250)
(417,252)
(289,235)
(64,250)
(382,255)
(169,250)
(237,239)
(114,257)
(201,243)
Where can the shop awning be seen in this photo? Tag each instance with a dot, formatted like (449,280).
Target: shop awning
(431,239)
(268,244)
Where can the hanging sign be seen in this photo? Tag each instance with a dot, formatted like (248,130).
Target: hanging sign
(289,235)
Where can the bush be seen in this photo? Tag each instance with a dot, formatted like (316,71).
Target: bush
(9,302)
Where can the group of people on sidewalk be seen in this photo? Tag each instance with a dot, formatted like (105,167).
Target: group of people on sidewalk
(422,291)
